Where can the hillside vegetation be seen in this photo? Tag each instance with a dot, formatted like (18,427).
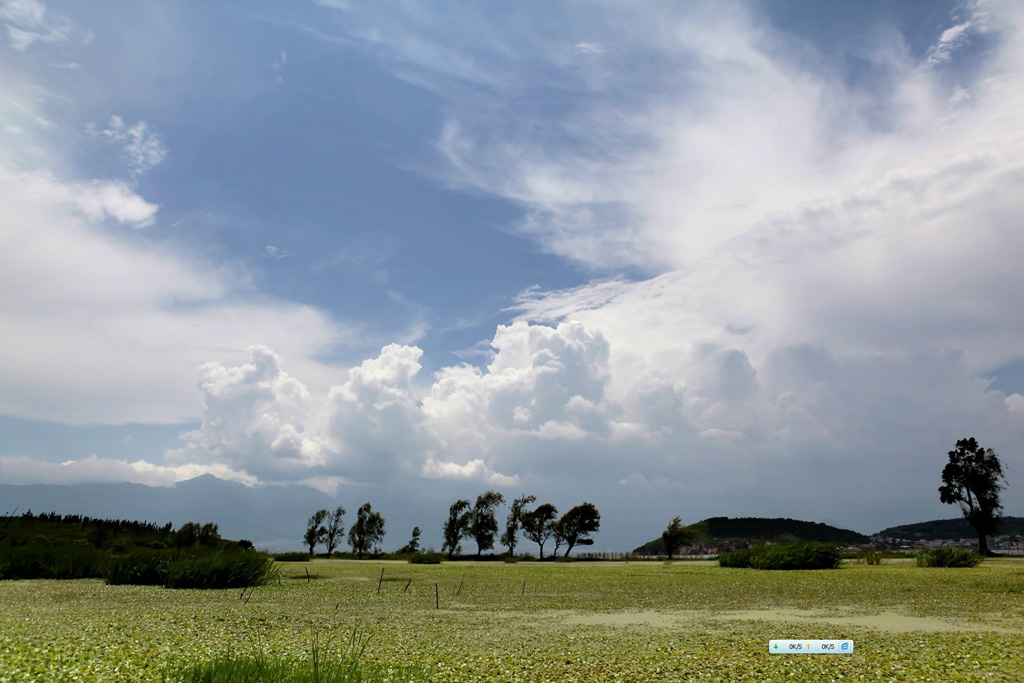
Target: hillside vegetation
(740,531)
(942,529)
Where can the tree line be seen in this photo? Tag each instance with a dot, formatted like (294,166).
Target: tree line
(475,521)
(972,479)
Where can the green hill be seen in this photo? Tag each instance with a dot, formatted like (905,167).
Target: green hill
(741,531)
(943,529)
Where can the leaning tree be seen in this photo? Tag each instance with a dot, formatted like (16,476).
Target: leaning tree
(367,531)
(315,530)
(482,524)
(576,525)
(675,536)
(514,522)
(456,526)
(973,478)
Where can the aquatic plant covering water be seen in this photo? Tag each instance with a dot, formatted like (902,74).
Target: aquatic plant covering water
(531,621)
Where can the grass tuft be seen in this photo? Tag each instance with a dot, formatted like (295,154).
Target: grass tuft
(291,557)
(426,558)
(947,557)
(784,556)
(325,665)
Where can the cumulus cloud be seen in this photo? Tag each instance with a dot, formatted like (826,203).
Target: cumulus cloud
(474,469)
(543,384)
(254,419)
(828,265)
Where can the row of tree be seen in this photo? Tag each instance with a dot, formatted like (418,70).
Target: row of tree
(364,536)
(465,520)
(479,522)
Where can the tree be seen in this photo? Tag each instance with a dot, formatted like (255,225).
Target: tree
(413,546)
(209,534)
(315,530)
(576,525)
(367,531)
(456,526)
(334,531)
(539,525)
(973,478)
(482,524)
(514,521)
(186,536)
(675,536)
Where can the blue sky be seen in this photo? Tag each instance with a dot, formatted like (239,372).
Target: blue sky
(729,258)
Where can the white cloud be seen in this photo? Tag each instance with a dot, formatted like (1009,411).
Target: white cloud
(1015,403)
(952,38)
(28,22)
(140,145)
(275,253)
(95,200)
(472,470)
(93,469)
(93,322)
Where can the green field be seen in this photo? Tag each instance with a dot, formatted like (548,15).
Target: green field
(540,622)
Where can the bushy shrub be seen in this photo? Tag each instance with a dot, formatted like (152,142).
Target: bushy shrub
(784,556)
(947,557)
(187,569)
(426,558)
(292,557)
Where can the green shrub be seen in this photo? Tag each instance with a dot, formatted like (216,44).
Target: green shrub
(191,569)
(510,559)
(947,557)
(52,563)
(291,557)
(784,556)
(426,558)
(736,559)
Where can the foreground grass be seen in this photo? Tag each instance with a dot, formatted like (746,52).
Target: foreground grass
(537,622)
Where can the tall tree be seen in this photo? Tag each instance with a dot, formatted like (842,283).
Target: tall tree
(413,546)
(539,525)
(367,531)
(315,530)
(209,534)
(482,524)
(675,536)
(456,526)
(973,478)
(576,525)
(514,521)
(335,531)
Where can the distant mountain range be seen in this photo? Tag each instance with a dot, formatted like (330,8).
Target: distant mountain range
(942,529)
(745,530)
